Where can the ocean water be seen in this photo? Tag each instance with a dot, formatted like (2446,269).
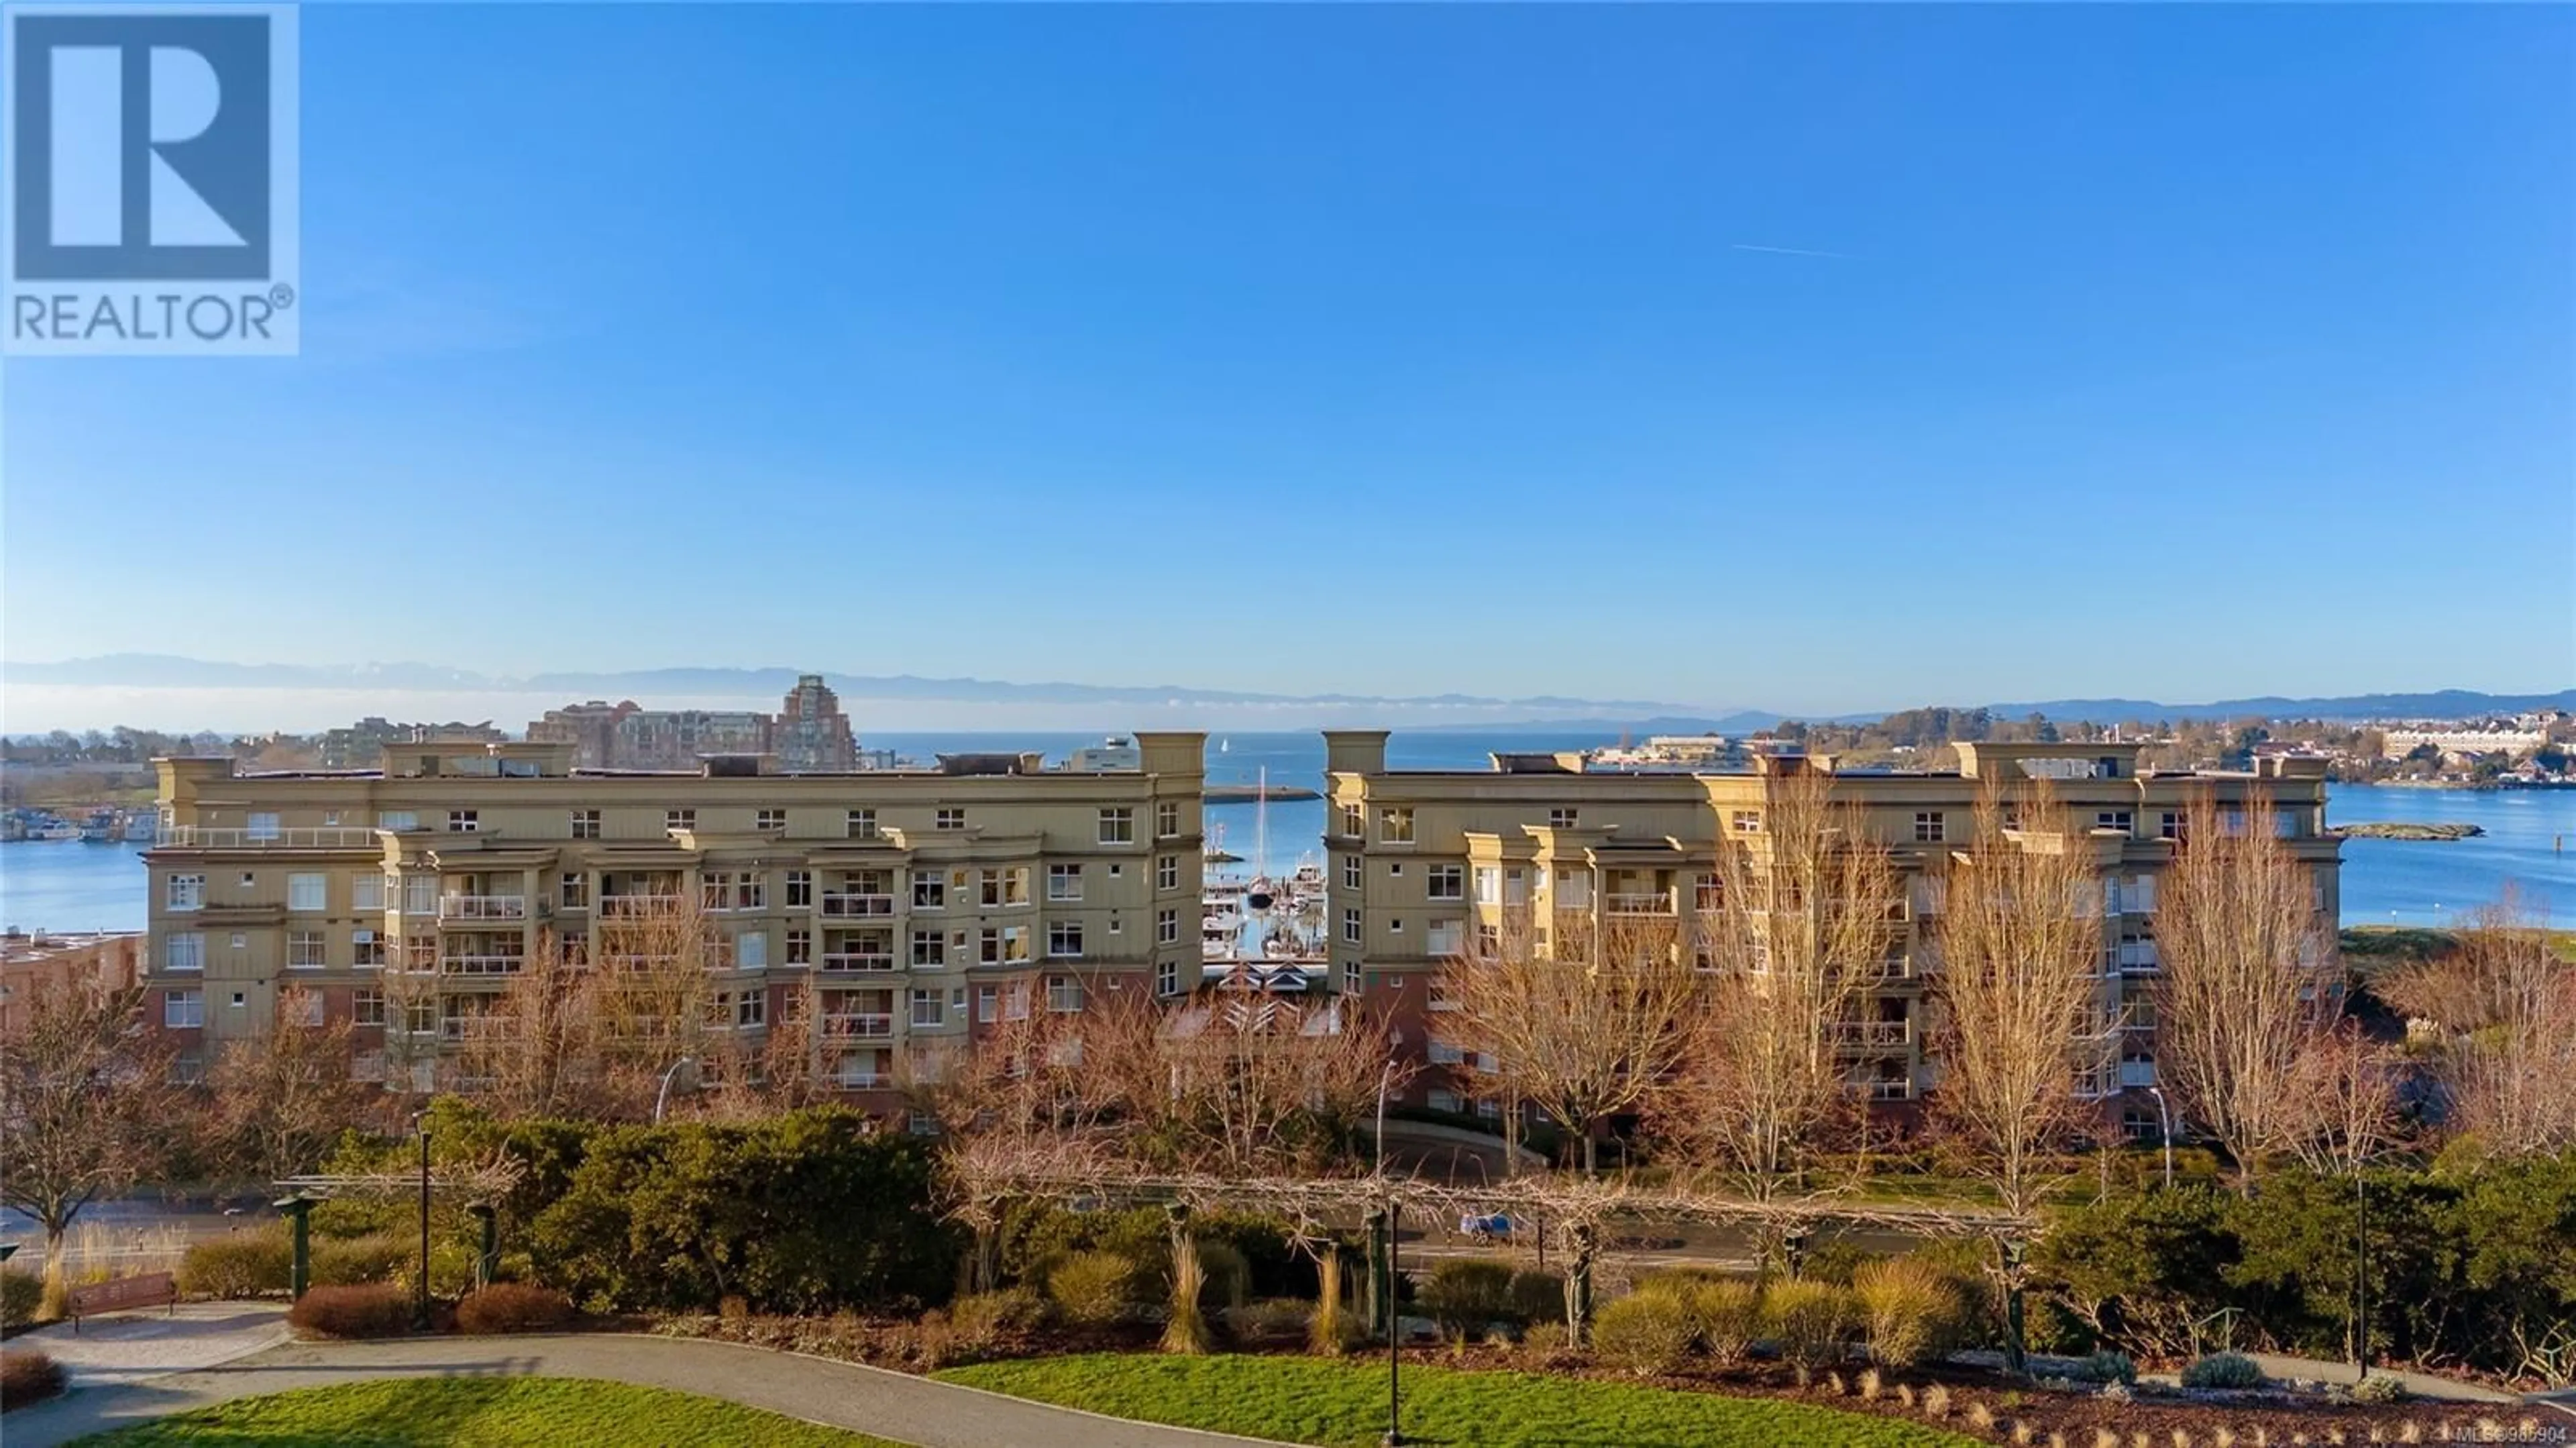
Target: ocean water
(2530,839)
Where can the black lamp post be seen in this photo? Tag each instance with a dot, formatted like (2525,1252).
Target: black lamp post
(299,1212)
(420,1297)
(1394,1316)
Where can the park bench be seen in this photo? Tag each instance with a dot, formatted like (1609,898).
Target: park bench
(151,1289)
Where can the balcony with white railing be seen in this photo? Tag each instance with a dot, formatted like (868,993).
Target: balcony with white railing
(475,1028)
(480,964)
(327,837)
(851,905)
(1651,902)
(2138,957)
(1873,1035)
(858,960)
(1882,1089)
(507,908)
(639,905)
(859,1025)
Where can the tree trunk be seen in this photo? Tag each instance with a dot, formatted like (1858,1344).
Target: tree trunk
(1591,1152)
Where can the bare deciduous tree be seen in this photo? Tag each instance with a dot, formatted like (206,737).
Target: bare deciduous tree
(1796,930)
(2246,986)
(281,1100)
(2505,1006)
(2343,1094)
(87,1105)
(2018,992)
(532,1053)
(1585,1021)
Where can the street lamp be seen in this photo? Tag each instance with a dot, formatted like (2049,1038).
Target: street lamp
(662,1096)
(420,1296)
(1394,1319)
(2164,1127)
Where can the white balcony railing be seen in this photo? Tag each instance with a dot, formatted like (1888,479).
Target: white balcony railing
(329,837)
(639,904)
(850,905)
(863,1026)
(858,960)
(1886,1090)
(480,964)
(1874,1033)
(1653,902)
(483,907)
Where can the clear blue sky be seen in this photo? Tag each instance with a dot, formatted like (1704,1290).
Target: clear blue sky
(2175,352)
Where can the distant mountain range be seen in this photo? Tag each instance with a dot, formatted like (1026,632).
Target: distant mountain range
(1465,711)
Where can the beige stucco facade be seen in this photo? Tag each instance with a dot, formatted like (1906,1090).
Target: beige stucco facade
(1420,860)
(917,898)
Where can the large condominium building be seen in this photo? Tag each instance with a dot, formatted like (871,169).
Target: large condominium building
(923,902)
(1425,860)
(808,735)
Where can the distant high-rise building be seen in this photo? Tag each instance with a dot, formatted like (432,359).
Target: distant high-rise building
(810,734)
(360,745)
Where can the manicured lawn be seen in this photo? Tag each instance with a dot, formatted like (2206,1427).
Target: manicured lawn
(482,1413)
(1343,1405)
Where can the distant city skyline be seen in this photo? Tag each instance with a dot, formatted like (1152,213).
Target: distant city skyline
(1816,358)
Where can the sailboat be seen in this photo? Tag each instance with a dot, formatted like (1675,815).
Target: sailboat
(1223,745)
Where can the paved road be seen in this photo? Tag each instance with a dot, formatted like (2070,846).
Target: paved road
(843,1395)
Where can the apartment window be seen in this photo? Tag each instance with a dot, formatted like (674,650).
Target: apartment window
(800,945)
(1489,885)
(1443,939)
(750,891)
(1167,819)
(304,950)
(310,1012)
(998,888)
(1118,826)
(1562,819)
(398,819)
(2112,819)
(305,892)
(862,824)
(929,1008)
(1167,978)
(1930,826)
(1395,870)
(1515,886)
(1167,927)
(585,824)
(929,890)
(182,1009)
(751,1008)
(950,819)
(1489,940)
(1351,926)
(1064,939)
(2171,826)
(929,948)
(1354,821)
(1395,825)
(1353,978)
(185,951)
(184,892)
(463,821)
(1064,994)
(366,950)
(263,825)
(751,950)
(770,819)
(1008,945)
(987,998)
(1446,882)
(1748,822)
(576,947)
(248,880)
(1167,873)
(366,892)
(369,1008)
(679,819)
(1395,926)
(800,889)
(1064,882)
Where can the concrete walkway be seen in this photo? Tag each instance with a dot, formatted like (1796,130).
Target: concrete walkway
(132,1346)
(843,1395)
